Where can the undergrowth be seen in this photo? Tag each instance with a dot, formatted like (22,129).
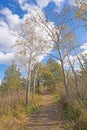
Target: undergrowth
(74,115)
(14,112)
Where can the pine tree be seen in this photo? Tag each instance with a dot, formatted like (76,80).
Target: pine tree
(12,78)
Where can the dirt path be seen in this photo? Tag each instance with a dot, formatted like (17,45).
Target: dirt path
(50,117)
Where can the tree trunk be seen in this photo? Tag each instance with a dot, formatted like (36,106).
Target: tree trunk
(65,83)
(75,77)
(28,85)
(33,91)
(28,89)
(64,76)
(76,83)
(62,66)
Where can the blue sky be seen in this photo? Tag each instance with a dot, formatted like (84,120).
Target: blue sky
(12,12)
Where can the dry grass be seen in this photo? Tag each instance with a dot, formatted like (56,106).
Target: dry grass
(14,112)
(75,116)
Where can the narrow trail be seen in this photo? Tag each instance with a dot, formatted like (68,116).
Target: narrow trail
(50,117)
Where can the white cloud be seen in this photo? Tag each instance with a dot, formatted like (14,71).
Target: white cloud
(6,39)
(12,19)
(6,58)
(58,2)
(3,24)
(28,7)
(25,5)
(83,49)
(84,46)
(73,59)
(21,2)
(41,3)
(45,3)
(0,82)
(71,2)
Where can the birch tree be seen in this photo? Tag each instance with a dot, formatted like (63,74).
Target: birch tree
(60,37)
(29,49)
(75,76)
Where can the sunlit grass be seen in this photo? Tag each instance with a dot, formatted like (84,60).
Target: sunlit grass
(14,112)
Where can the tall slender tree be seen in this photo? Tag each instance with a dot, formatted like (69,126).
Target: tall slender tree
(29,45)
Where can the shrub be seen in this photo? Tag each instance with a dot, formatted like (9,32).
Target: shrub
(77,113)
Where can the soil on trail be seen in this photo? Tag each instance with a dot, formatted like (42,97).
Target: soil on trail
(50,117)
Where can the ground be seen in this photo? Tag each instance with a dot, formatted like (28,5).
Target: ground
(50,116)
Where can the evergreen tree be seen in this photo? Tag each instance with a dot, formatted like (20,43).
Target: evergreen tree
(52,74)
(12,78)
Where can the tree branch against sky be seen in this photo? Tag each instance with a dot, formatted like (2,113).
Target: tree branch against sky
(43,64)
(14,12)
(30,45)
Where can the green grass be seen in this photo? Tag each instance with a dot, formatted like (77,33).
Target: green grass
(33,109)
(23,128)
(76,115)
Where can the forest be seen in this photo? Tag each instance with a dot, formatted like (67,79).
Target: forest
(45,87)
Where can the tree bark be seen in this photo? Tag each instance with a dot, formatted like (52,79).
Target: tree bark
(28,86)
(33,91)
(75,77)
(63,70)
(64,76)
